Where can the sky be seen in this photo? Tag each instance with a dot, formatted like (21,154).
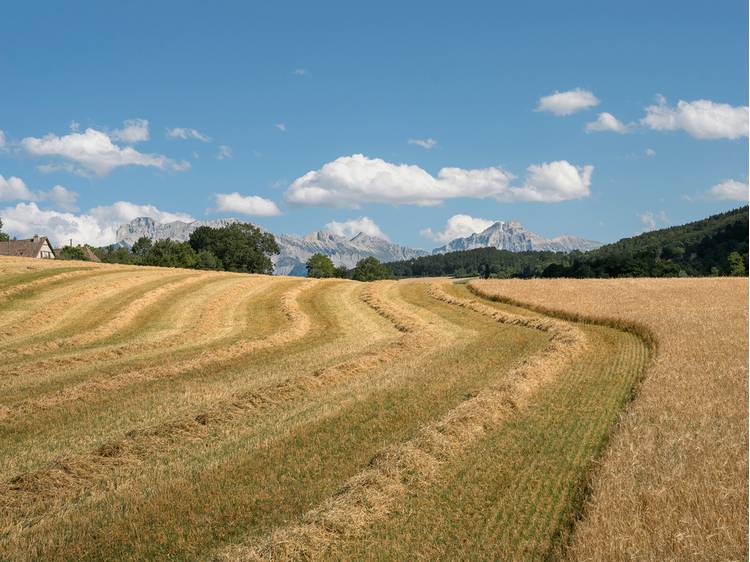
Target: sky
(418,121)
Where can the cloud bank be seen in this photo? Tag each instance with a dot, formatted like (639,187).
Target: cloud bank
(98,226)
(351,181)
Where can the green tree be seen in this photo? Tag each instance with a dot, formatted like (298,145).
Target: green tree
(370,269)
(3,237)
(206,260)
(142,246)
(240,246)
(73,253)
(341,272)
(320,265)
(168,253)
(736,264)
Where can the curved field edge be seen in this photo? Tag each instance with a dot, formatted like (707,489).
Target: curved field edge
(672,484)
(395,470)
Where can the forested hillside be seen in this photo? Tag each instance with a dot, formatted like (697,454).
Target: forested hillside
(717,245)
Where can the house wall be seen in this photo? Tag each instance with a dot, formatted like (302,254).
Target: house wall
(45,252)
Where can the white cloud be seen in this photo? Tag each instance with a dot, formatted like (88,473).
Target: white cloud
(97,227)
(652,221)
(458,226)
(133,131)
(184,134)
(650,153)
(702,119)
(553,182)
(95,151)
(281,127)
(2,139)
(607,122)
(301,72)
(15,189)
(75,126)
(224,152)
(565,103)
(353,227)
(250,205)
(729,190)
(60,197)
(350,181)
(424,143)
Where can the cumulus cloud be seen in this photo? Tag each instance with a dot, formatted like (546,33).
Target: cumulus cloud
(183,133)
(98,226)
(652,221)
(424,143)
(650,153)
(702,119)
(350,181)
(133,131)
(566,103)
(95,151)
(607,122)
(458,226)
(729,190)
(60,197)
(224,152)
(250,205)
(353,227)
(15,189)
(281,127)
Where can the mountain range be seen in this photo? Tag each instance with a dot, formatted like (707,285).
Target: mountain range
(512,236)
(296,250)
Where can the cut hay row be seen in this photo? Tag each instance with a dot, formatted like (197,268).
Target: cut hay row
(206,314)
(82,315)
(70,474)
(28,282)
(136,337)
(43,306)
(297,325)
(371,494)
(672,484)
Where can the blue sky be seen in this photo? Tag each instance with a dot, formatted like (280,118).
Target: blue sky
(350,79)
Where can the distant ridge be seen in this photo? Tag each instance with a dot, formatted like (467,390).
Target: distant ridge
(295,250)
(512,236)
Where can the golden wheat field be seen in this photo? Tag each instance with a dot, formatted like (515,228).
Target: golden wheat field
(166,414)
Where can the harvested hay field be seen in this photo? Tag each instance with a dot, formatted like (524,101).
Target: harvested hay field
(673,483)
(151,414)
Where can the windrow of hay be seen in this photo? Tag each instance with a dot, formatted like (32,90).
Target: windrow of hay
(210,313)
(298,324)
(70,474)
(672,484)
(62,275)
(64,298)
(396,470)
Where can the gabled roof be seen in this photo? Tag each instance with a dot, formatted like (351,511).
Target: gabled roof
(24,248)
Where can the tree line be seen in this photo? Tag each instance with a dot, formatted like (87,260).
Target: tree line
(717,245)
(239,247)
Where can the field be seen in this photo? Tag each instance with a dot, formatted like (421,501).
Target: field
(150,413)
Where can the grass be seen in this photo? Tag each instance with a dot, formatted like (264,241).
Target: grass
(166,414)
(672,485)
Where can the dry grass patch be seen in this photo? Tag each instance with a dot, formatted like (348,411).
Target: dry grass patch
(673,483)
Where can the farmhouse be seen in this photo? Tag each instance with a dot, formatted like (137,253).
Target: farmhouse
(37,247)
